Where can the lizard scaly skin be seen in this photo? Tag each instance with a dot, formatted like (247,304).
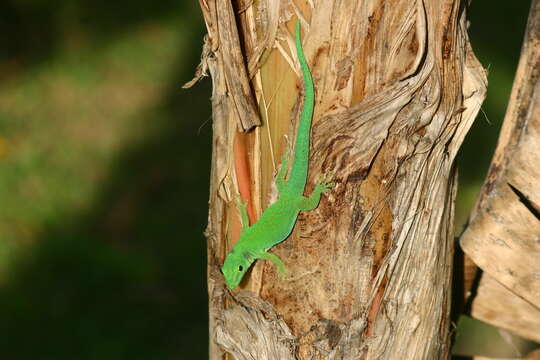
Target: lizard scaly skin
(277,221)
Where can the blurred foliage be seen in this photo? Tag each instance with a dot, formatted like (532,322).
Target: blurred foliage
(103,181)
(104,170)
(480,339)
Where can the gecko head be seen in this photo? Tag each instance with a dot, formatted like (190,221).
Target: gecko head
(234,268)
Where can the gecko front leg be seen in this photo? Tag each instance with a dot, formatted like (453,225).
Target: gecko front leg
(274,259)
(242,209)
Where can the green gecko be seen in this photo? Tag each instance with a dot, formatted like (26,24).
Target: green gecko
(277,221)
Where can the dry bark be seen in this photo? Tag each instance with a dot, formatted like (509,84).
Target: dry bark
(397,88)
(503,236)
(500,307)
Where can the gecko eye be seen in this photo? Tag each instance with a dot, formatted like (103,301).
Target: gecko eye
(240,268)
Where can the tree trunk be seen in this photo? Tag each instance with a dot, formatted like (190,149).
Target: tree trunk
(397,88)
(503,235)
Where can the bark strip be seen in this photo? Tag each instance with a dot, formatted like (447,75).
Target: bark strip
(503,235)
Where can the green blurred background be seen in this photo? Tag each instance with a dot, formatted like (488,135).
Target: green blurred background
(104,169)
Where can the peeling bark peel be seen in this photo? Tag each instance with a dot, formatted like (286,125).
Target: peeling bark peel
(497,305)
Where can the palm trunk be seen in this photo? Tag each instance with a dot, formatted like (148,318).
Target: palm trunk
(397,88)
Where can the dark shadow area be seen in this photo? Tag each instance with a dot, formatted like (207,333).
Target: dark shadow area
(127,279)
(496,33)
(33,30)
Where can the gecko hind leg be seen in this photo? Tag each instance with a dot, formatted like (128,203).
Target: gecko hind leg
(311,202)
(280,179)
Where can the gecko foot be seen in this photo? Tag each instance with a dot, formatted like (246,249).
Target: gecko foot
(324,183)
